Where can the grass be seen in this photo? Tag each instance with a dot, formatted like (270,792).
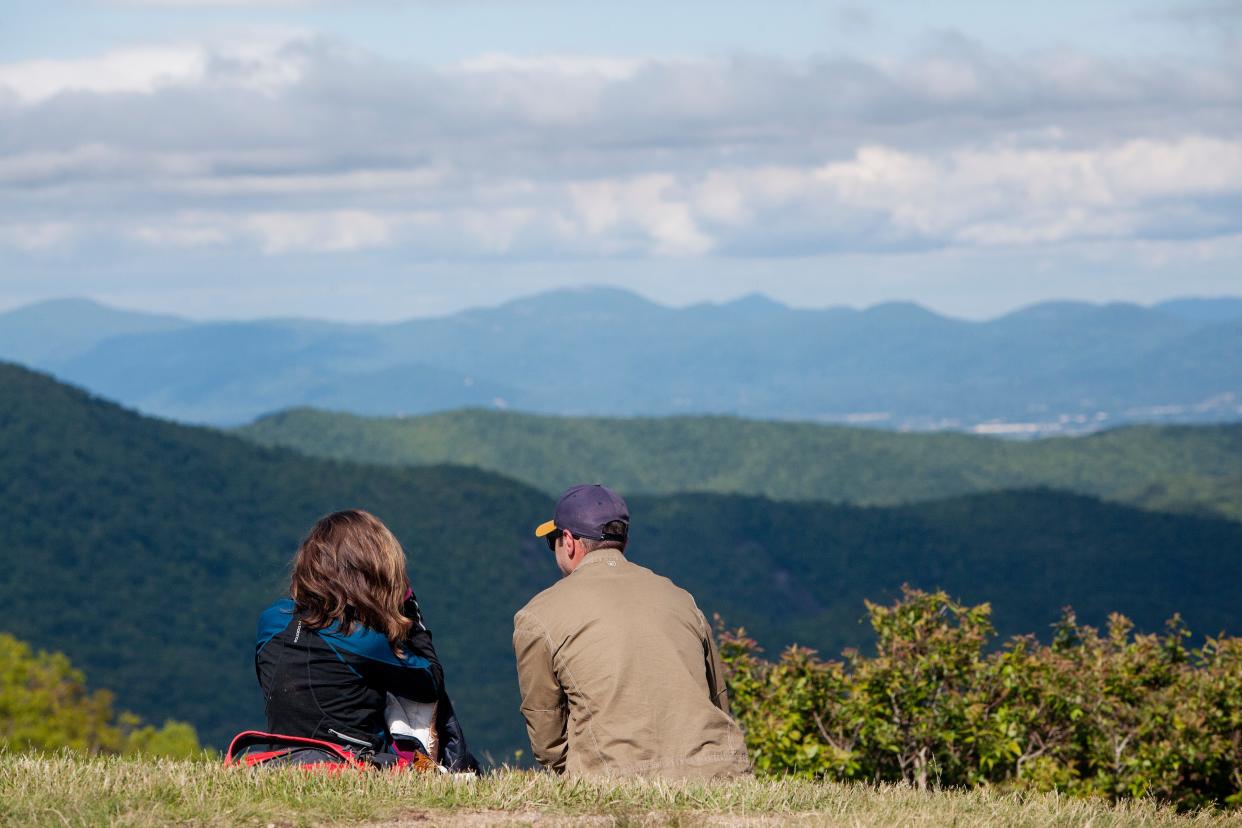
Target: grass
(68,790)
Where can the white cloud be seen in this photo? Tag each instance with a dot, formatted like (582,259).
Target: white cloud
(95,161)
(130,70)
(272,233)
(336,231)
(975,197)
(649,204)
(262,64)
(285,146)
(181,231)
(990,195)
(366,182)
(193,4)
(599,66)
(33,237)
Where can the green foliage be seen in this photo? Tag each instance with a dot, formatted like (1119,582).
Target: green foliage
(1115,715)
(145,550)
(1177,468)
(45,706)
(176,740)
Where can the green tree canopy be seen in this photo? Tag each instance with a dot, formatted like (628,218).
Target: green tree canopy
(45,705)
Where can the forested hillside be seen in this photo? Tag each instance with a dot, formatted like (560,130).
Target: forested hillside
(144,550)
(1175,468)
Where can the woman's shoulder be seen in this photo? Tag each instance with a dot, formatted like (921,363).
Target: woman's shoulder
(274,619)
(369,643)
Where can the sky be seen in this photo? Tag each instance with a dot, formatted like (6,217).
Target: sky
(385,159)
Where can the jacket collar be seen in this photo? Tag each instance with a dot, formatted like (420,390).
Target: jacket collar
(600,556)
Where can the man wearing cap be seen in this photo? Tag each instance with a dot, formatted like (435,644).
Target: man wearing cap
(617,666)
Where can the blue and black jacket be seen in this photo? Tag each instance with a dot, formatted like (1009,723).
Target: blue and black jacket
(326,685)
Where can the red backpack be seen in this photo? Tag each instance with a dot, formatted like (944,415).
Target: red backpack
(252,748)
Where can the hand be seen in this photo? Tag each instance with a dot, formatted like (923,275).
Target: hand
(411,611)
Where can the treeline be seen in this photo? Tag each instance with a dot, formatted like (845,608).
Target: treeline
(45,706)
(1191,469)
(1114,713)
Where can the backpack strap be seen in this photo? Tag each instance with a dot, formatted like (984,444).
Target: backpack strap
(254,747)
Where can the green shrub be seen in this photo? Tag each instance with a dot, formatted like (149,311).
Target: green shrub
(1114,714)
(45,706)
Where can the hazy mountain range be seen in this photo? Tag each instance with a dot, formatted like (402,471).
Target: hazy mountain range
(1054,366)
(145,549)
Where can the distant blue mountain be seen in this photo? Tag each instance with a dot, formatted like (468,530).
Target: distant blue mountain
(48,332)
(1220,309)
(1057,365)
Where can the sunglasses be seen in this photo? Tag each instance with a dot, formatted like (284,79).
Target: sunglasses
(552,538)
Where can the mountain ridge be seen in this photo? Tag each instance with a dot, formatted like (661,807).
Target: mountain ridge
(1143,465)
(1213,308)
(1054,367)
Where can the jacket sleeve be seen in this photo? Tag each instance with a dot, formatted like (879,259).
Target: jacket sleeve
(717,690)
(418,643)
(410,676)
(415,674)
(544,705)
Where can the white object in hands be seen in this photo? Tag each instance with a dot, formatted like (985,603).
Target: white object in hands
(414,720)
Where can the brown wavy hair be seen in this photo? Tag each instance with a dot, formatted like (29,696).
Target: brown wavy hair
(351,570)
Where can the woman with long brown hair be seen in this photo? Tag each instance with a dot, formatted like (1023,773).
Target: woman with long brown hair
(349,634)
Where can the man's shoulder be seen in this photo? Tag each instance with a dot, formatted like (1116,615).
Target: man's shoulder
(565,598)
(565,595)
(654,580)
(538,608)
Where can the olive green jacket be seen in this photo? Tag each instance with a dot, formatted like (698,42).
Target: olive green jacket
(620,676)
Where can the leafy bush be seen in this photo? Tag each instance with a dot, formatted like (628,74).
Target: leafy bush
(1114,714)
(45,706)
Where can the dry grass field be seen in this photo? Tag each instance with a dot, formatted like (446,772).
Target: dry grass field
(72,791)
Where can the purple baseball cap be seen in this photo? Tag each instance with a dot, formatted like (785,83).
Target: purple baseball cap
(584,510)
